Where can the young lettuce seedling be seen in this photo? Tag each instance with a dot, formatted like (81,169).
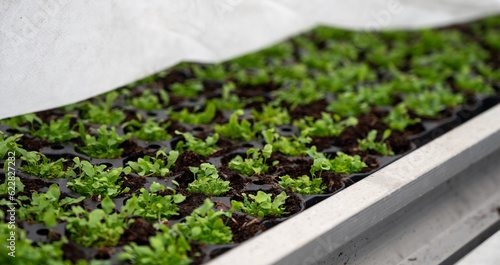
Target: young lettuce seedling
(261,204)
(166,247)
(291,146)
(37,164)
(189,89)
(15,123)
(399,119)
(150,130)
(205,225)
(238,131)
(379,147)
(196,145)
(342,163)
(103,112)
(328,125)
(154,167)
(349,104)
(272,115)
(195,118)
(45,207)
(106,145)
(95,180)
(99,228)
(303,93)
(207,181)
(57,131)
(29,252)
(149,101)
(152,206)
(303,184)
(254,163)
(9,146)
(213,72)
(228,101)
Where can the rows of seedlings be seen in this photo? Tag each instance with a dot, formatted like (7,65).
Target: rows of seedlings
(183,165)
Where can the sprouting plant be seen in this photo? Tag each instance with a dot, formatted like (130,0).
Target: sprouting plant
(349,104)
(192,117)
(4,188)
(291,146)
(288,73)
(255,162)
(154,167)
(238,131)
(150,130)
(149,101)
(255,77)
(380,147)
(261,204)
(380,95)
(207,181)
(168,247)
(191,88)
(431,103)
(95,180)
(346,164)
(37,164)
(103,112)
(9,146)
(272,115)
(106,145)
(213,72)
(399,119)
(302,93)
(196,145)
(303,184)
(228,101)
(98,228)
(205,225)
(29,252)
(57,131)
(16,122)
(152,206)
(473,83)
(46,207)
(328,125)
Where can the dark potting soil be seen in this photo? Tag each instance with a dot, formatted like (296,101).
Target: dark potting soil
(72,253)
(132,150)
(134,183)
(243,227)
(193,201)
(312,110)
(33,144)
(188,159)
(139,232)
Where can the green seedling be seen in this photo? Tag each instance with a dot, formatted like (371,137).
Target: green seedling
(235,130)
(196,145)
(95,180)
(149,101)
(380,147)
(291,146)
(45,208)
(207,181)
(261,204)
(205,225)
(228,101)
(349,104)
(203,117)
(151,206)
(99,228)
(213,72)
(37,164)
(271,115)
(328,125)
(106,145)
(154,167)
(57,131)
(303,184)
(150,130)
(103,112)
(399,119)
(303,93)
(254,163)
(9,146)
(167,247)
(190,89)
(17,122)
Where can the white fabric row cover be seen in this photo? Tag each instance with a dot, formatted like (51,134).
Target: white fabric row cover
(57,52)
